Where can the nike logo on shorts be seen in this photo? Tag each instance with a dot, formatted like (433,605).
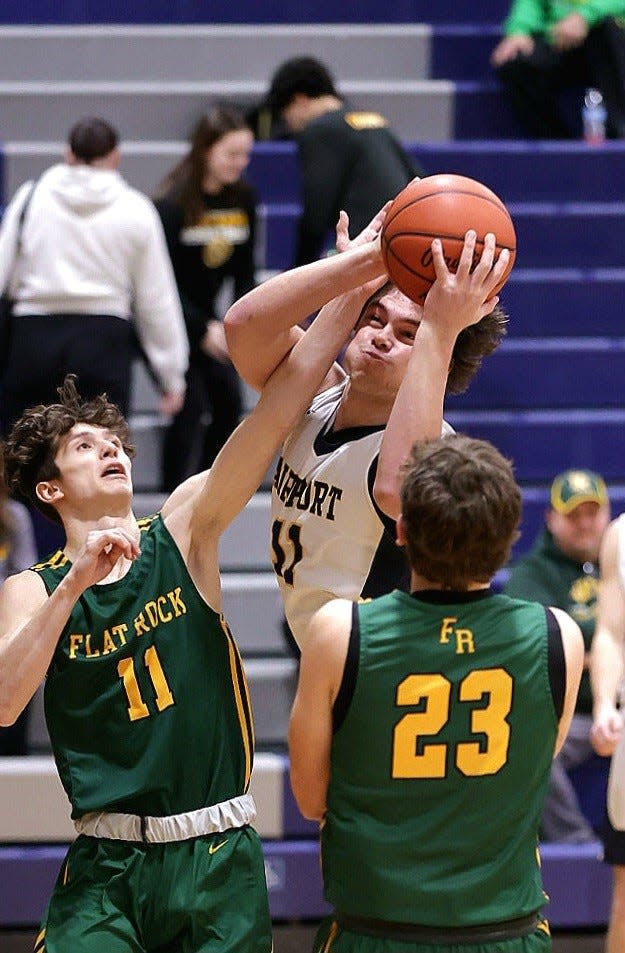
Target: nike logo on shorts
(213,848)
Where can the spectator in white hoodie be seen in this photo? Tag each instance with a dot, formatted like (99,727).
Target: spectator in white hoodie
(90,256)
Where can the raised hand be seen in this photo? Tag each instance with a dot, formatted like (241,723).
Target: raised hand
(102,549)
(369,234)
(461,298)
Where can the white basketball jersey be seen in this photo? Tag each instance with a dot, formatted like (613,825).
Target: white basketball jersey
(328,537)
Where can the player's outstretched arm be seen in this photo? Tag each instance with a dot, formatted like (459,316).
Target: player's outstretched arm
(606,654)
(310,728)
(263,325)
(200,509)
(573,645)
(454,302)
(31,622)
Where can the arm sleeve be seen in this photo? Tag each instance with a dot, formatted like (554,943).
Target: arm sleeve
(157,307)
(323,163)
(597,10)
(525,17)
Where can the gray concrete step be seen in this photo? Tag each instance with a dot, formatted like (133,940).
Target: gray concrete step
(143,163)
(34,807)
(253,607)
(416,109)
(244,548)
(147,430)
(209,52)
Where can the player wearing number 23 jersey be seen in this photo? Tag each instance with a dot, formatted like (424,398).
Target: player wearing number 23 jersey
(447,693)
(425,723)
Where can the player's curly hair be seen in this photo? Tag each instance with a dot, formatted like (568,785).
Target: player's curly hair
(30,448)
(461,510)
(472,345)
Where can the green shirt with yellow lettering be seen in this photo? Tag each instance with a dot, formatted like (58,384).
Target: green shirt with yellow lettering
(440,764)
(145,698)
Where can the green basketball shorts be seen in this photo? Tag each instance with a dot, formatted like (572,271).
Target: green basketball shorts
(190,896)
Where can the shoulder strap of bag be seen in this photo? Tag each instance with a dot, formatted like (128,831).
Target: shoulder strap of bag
(20,221)
(18,240)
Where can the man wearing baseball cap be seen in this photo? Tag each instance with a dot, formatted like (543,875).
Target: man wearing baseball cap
(561,570)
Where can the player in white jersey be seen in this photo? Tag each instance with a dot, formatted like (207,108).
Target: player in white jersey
(325,477)
(606,675)
(331,510)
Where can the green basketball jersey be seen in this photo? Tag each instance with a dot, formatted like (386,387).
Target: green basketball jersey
(440,766)
(145,698)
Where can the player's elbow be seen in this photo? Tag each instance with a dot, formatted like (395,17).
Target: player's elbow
(9,710)
(240,341)
(386,498)
(310,800)
(311,808)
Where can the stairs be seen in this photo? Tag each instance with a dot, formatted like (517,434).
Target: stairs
(550,398)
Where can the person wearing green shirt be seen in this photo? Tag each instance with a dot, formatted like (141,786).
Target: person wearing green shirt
(424,726)
(146,699)
(553,45)
(562,570)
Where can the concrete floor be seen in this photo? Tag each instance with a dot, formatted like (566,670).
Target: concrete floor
(298,937)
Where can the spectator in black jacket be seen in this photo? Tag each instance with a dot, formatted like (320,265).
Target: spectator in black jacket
(349,158)
(209,216)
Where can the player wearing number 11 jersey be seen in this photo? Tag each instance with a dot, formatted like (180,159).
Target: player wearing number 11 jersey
(425,723)
(146,701)
(336,488)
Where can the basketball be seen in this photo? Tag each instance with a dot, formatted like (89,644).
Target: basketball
(446,207)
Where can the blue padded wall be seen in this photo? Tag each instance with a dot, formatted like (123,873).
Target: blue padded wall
(245,11)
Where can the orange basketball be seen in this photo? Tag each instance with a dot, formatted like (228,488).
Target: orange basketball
(446,207)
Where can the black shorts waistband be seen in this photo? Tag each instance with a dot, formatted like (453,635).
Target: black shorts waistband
(418,933)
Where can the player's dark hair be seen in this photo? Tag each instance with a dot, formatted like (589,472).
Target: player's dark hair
(31,446)
(472,345)
(92,138)
(461,509)
(302,74)
(183,183)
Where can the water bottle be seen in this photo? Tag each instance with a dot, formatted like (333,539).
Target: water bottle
(594,117)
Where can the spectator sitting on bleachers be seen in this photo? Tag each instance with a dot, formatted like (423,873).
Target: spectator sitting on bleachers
(349,159)
(551,45)
(561,570)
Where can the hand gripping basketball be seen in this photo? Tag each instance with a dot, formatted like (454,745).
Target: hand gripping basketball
(441,206)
